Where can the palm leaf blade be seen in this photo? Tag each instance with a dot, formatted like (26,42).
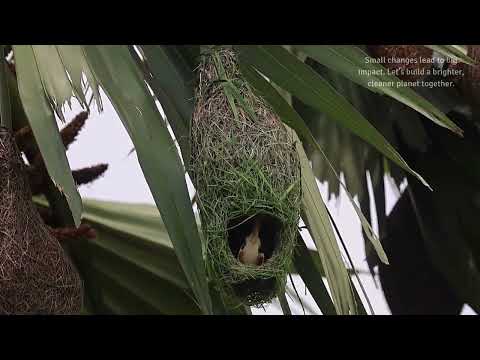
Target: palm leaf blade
(118,74)
(44,126)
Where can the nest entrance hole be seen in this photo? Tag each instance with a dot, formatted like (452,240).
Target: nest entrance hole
(240,227)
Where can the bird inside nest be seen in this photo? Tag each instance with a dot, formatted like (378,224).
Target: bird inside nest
(250,251)
(253,240)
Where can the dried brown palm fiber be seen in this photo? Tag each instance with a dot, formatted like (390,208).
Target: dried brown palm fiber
(416,52)
(24,137)
(36,276)
(36,178)
(469,84)
(46,214)
(26,143)
(11,66)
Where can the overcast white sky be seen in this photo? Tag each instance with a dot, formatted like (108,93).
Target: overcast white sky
(104,140)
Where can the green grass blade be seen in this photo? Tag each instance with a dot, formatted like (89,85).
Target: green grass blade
(311,272)
(355,273)
(316,218)
(284,304)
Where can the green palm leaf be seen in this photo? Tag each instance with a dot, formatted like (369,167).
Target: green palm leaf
(131,266)
(123,82)
(350,62)
(35,83)
(172,83)
(456,52)
(301,81)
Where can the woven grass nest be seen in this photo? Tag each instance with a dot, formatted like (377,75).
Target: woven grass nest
(245,168)
(36,276)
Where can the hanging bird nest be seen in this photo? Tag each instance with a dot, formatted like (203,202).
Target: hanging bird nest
(245,168)
(36,276)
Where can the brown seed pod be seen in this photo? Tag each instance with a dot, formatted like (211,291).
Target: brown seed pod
(69,133)
(394,58)
(89,174)
(69,233)
(26,141)
(36,275)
